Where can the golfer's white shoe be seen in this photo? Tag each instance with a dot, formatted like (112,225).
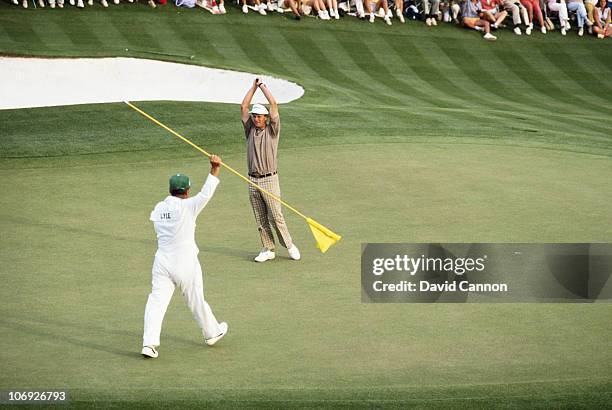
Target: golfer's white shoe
(265,255)
(294,253)
(149,352)
(213,340)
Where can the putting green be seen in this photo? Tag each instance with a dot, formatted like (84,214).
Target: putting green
(81,249)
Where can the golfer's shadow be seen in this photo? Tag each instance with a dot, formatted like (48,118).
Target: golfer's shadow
(35,327)
(231,252)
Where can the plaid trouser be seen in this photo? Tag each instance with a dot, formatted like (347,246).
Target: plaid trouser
(268,212)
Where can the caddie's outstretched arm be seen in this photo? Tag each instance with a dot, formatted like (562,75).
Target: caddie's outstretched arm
(199,201)
(244,106)
(273,104)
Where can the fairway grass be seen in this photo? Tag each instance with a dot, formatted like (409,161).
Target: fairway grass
(404,134)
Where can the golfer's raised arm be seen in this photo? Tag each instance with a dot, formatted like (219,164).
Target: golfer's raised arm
(244,106)
(273,105)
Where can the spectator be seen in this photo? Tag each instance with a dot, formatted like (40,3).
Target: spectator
(471,12)
(603,20)
(516,9)
(398,6)
(332,7)
(581,14)
(560,8)
(534,6)
(381,6)
(257,7)
(431,9)
(60,4)
(491,13)
(590,6)
(291,4)
(450,10)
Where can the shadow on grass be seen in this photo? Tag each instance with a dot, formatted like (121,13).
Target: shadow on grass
(38,327)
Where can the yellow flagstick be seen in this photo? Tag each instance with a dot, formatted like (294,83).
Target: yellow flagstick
(323,236)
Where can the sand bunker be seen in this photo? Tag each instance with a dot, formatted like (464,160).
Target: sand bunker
(41,82)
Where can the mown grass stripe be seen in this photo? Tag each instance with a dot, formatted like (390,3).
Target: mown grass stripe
(110,35)
(81,32)
(207,49)
(332,94)
(327,72)
(377,75)
(165,35)
(20,31)
(419,65)
(256,50)
(590,85)
(543,78)
(134,33)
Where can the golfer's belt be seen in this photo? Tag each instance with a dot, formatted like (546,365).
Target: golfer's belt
(253,175)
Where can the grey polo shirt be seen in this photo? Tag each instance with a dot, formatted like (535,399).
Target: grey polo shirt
(262,145)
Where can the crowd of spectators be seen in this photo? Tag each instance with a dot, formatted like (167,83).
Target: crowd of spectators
(486,16)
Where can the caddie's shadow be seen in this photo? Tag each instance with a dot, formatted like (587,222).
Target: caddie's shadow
(38,328)
(231,252)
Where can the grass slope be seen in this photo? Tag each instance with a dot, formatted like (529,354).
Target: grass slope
(404,134)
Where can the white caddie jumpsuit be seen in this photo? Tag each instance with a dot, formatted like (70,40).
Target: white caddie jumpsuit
(176,263)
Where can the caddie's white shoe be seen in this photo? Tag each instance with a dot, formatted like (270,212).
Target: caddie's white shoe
(222,9)
(215,339)
(265,255)
(294,253)
(149,352)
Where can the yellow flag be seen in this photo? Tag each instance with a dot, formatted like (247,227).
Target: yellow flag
(323,236)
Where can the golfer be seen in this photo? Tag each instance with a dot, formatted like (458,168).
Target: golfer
(176,261)
(262,131)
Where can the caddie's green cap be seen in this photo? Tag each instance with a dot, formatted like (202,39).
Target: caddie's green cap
(179,183)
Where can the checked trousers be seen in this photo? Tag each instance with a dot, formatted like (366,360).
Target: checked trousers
(268,212)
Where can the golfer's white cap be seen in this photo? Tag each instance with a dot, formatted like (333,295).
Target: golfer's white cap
(259,109)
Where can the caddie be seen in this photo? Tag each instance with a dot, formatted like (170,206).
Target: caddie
(262,145)
(176,260)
